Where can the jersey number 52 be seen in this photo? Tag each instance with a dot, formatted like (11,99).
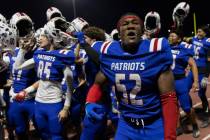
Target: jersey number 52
(129,97)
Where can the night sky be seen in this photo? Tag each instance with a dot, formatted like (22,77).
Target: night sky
(105,13)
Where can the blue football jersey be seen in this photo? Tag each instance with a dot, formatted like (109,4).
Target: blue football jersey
(75,79)
(200,48)
(97,46)
(51,64)
(181,56)
(135,76)
(21,78)
(76,69)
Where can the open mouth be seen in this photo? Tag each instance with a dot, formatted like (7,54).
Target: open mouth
(131,35)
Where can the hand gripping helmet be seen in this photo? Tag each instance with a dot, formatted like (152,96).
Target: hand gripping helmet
(7,37)
(53,12)
(152,22)
(23,23)
(180,12)
(79,24)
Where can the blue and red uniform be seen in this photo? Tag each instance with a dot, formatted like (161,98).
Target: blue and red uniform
(181,57)
(80,92)
(93,128)
(135,77)
(21,80)
(199,48)
(50,67)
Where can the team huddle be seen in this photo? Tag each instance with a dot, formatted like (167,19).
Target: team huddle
(70,80)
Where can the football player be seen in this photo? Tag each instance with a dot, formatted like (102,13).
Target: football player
(182,57)
(21,79)
(52,63)
(93,128)
(200,47)
(140,71)
(24,26)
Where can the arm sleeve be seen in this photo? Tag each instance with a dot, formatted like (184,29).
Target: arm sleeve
(68,75)
(27,64)
(170,111)
(20,58)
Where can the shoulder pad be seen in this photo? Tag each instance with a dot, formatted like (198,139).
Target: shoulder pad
(158,44)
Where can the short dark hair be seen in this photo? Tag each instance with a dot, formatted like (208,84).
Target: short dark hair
(205,28)
(178,32)
(95,33)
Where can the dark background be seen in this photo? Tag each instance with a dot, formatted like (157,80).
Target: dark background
(105,13)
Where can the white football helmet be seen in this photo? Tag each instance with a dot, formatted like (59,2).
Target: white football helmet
(23,23)
(79,24)
(38,33)
(71,29)
(152,22)
(59,37)
(180,12)
(7,37)
(53,12)
(3,19)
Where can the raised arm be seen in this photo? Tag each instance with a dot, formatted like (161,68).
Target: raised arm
(20,58)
